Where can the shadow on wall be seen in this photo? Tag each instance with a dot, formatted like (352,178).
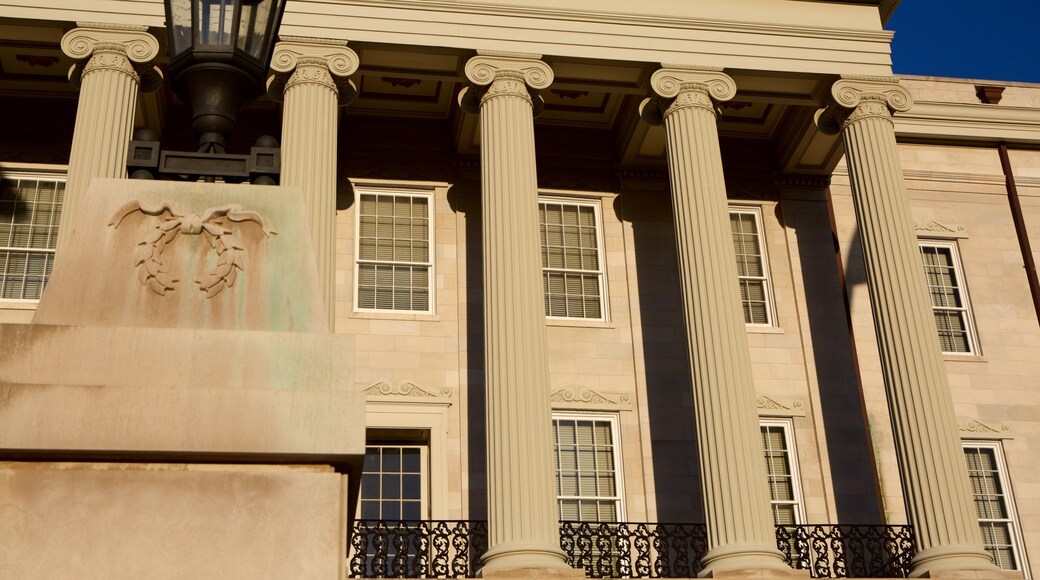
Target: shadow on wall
(845,425)
(669,402)
(464,198)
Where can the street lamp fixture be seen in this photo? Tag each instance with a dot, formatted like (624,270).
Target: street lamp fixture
(220,51)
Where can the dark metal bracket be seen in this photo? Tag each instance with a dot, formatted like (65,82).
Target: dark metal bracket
(262,166)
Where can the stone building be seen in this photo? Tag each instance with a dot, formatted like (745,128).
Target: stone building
(557,261)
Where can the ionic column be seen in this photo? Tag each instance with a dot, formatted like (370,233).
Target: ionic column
(524,530)
(311,77)
(733,476)
(113,64)
(935,479)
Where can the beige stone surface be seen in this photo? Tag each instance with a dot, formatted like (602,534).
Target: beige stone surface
(87,521)
(186,255)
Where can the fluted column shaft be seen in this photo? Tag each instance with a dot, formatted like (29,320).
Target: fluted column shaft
(523,526)
(934,476)
(733,475)
(112,61)
(311,78)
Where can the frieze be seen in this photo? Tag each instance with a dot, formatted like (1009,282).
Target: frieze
(934,229)
(779,406)
(578,397)
(406,391)
(971,428)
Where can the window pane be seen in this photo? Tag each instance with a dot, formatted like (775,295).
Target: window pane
(30,210)
(780,473)
(991,505)
(751,268)
(394,250)
(570,260)
(586,476)
(948,299)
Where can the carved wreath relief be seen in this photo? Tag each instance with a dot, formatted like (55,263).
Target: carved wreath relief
(213,224)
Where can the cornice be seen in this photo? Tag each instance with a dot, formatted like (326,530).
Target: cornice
(969,122)
(639,19)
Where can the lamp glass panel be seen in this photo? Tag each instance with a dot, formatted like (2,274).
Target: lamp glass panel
(215,21)
(254,29)
(178,18)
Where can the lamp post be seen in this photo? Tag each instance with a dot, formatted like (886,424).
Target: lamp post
(219,54)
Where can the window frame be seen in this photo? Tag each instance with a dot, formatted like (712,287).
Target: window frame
(966,310)
(410,190)
(793,465)
(596,204)
(40,172)
(615,434)
(1013,521)
(767,275)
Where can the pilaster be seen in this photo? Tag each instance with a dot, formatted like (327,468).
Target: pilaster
(311,77)
(934,476)
(736,497)
(112,65)
(522,521)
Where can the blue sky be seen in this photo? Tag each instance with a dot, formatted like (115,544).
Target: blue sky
(987,40)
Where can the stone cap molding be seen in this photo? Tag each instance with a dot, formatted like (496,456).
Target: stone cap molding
(402,391)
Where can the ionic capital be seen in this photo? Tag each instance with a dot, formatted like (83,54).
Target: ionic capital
(496,75)
(300,61)
(678,88)
(855,98)
(123,49)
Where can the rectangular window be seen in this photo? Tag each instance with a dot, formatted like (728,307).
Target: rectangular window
(393,483)
(572,261)
(993,505)
(30,209)
(394,256)
(752,267)
(949,298)
(782,470)
(588,486)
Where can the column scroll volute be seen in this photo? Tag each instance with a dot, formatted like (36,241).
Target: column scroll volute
(129,49)
(670,81)
(331,63)
(858,97)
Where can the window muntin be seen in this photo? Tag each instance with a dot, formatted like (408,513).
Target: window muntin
(394,267)
(393,483)
(572,259)
(785,496)
(949,298)
(588,478)
(752,266)
(30,210)
(994,506)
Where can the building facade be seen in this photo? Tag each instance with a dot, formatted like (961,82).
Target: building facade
(594,263)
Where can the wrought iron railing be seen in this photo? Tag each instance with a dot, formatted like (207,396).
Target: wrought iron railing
(635,550)
(843,551)
(452,549)
(426,549)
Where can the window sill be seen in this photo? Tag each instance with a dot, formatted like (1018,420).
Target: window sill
(756,329)
(972,358)
(579,323)
(19,304)
(422,316)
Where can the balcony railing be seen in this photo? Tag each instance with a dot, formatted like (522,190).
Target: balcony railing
(452,549)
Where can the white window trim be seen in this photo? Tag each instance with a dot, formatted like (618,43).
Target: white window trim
(1005,479)
(410,190)
(30,171)
(767,275)
(796,473)
(596,204)
(969,317)
(619,472)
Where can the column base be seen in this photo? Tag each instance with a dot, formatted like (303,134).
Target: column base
(527,561)
(955,559)
(744,560)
